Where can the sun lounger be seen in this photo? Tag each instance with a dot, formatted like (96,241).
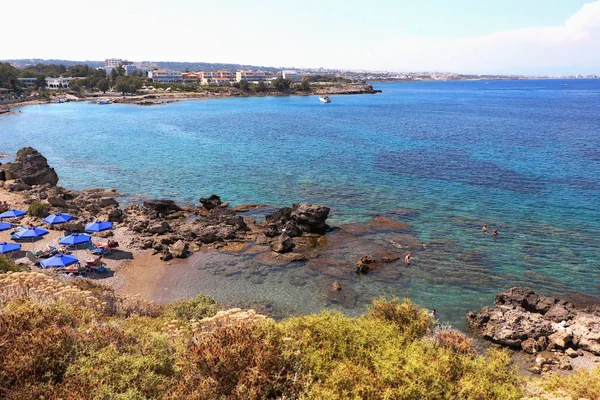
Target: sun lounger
(96,250)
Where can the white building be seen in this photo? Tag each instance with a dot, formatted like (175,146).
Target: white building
(58,83)
(294,76)
(164,76)
(112,63)
(222,77)
(250,76)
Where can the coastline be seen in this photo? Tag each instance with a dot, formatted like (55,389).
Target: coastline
(158,98)
(243,260)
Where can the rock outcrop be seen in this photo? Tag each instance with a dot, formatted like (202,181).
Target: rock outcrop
(282,244)
(211,202)
(300,219)
(30,168)
(87,205)
(525,320)
(366,264)
(166,227)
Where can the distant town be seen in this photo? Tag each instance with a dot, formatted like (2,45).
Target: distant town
(216,75)
(36,80)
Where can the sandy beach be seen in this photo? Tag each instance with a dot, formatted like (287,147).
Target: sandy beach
(132,271)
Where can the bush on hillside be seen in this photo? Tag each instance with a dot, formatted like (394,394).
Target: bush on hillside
(583,384)
(240,359)
(370,357)
(7,264)
(37,209)
(197,308)
(61,340)
(446,336)
(407,316)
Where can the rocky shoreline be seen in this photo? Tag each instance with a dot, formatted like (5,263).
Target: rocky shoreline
(273,236)
(170,97)
(552,329)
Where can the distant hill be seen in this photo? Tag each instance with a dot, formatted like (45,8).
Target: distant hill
(178,66)
(22,63)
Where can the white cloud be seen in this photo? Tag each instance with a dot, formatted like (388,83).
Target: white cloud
(572,47)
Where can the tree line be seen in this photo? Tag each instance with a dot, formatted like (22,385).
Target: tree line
(94,79)
(86,78)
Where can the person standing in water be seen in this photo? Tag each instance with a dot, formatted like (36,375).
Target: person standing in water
(484,228)
(495,233)
(408,258)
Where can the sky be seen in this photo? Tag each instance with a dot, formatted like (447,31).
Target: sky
(466,36)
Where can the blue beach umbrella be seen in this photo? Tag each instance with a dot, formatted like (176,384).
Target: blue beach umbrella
(4,226)
(12,214)
(31,233)
(9,247)
(59,261)
(58,218)
(98,226)
(74,239)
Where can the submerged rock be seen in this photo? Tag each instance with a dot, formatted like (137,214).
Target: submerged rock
(366,264)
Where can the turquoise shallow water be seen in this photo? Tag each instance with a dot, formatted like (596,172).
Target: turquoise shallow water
(521,156)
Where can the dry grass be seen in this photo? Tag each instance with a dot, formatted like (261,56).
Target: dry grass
(77,340)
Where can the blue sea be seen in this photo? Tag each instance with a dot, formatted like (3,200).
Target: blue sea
(445,157)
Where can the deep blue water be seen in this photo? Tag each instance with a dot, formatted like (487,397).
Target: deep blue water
(521,156)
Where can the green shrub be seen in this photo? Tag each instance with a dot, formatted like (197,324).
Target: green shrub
(369,357)
(38,343)
(239,359)
(59,340)
(409,318)
(197,308)
(7,264)
(37,209)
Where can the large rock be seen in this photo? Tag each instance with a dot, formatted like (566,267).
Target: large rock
(586,331)
(509,326)
(56,201)
(159,228)
(211,202)
(159,208)
(179,249)
(31,168)
(560,339)
(526,299)
(523,319)
(282,244)
(310,218)
(301,218)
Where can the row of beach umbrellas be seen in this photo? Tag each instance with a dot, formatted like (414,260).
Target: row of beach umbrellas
(74,239)
(56,261)
(54,219)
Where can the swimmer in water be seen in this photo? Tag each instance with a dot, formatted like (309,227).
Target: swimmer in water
(484,228)
(408,258)
(495,232)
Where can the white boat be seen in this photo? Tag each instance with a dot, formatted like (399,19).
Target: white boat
(324,99)
(103,101)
